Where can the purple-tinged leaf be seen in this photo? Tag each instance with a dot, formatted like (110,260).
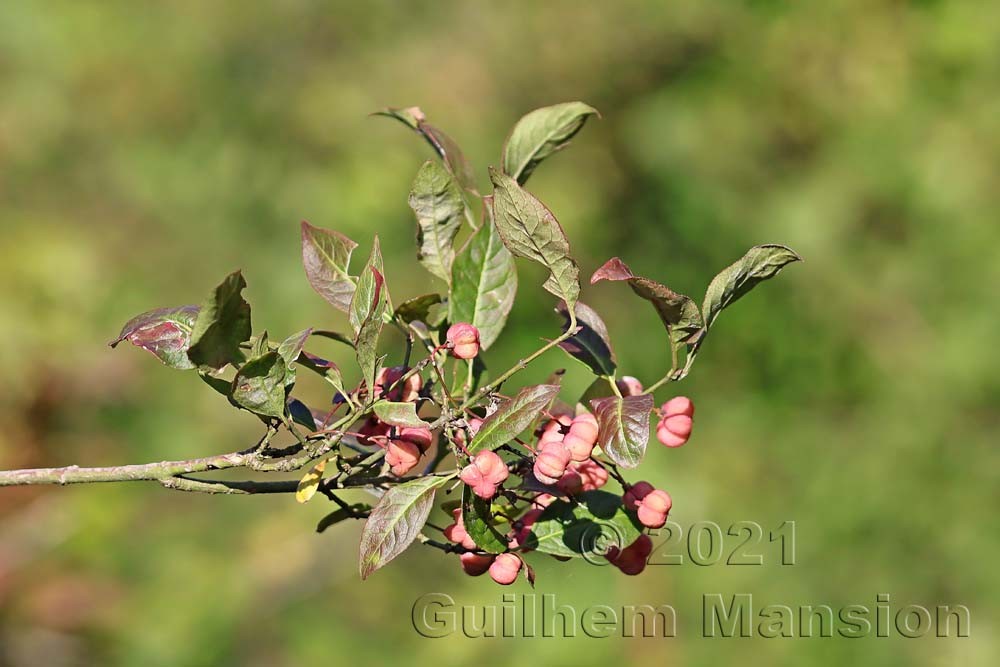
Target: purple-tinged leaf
(396,521)
(541,133)
(326,256)
(223,323)
(623,427)
(529,229)
(483,282)
(512,417)
(165,332)
(679,314)
(758,264)
(368,310)
(591,344)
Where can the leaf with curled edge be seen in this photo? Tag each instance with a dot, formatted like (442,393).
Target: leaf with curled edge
(477,516)
(326,256)
(541,133)
(591,344)
(437,203)
(396,521)
(367,314)
(679,314)
(222,324)
(483,282)
(512,417)
(758,264)
(164,332)
(291,347)
(442,144)
(418,308)
(623,427)
(530,230)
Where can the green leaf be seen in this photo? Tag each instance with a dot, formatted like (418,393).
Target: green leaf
(396,521)
(398,414)
(437,203)
(418,308)
(326,255)
(442,144)
(483,283)
(758,264)
(623,427)
(541,133)
(259,385)
(513,416)
(342,514)
(678,313)
(222,324)
(528,229)
(588,527)
(477,515)
(591,345)
(327,369)
(291,347)
(165,332)
(259,345)
(368,309)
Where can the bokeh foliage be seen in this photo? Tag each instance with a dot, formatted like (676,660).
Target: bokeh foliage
(147,149)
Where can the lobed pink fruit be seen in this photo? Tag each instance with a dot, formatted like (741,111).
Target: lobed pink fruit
(629,386)
(407,391)
(679,405)
(570,483)
(418,435)
(456,531)
(463,339)
(402,456)
(582,436)
(676,421)
(475,564)
(592,474)
(635,493)
(522,528)
(485,473)
(654,507)
(632,559)
(374,432)
(551,462)
(505,569)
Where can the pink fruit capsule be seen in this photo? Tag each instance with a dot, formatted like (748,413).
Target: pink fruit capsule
(463,339)
(635,493)
(475,564)
(551,462)
(485,473)
(653,508)
(402,456)
(505,569)
(582,436)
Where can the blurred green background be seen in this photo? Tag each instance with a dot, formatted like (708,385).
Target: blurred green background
(147,149)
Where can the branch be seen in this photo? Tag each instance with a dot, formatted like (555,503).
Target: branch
(127,473)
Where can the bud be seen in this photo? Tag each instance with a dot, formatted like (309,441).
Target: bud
(653,509)
(475,564)
(484,474)
(551,462)
(463,339)
(505,569)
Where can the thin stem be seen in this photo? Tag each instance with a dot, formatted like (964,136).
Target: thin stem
(126,473)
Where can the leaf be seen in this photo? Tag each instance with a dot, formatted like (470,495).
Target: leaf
(223,323)
(528,229)
(541,133)
(623,427)
(442,144)
(587,527)
(291,347)
(758,264)
(309,484)
(477,516)
(678,313)
(437,203)
(398,414)
(396,521)
(301,414)
(513,416)
(165,332)
(483,283)
(591,345)
(327,369)
(368,308)
(334,335)
(417,309)
(342,514)
(259,385)
(326,255)
(259,345)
